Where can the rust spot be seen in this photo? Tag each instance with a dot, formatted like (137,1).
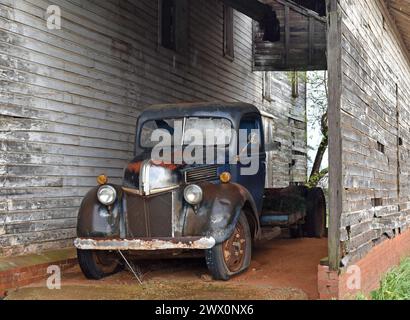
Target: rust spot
(163,164)
(145,244)
(134,167)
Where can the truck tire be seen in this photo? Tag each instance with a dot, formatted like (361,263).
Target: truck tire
(232,256)
(96,265)
(315,220)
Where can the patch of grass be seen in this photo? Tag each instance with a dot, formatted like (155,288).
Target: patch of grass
(395,285)
(361,296)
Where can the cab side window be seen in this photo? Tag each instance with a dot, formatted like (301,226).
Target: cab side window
(249,125)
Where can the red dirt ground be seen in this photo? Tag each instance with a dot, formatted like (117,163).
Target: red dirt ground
(280,269)
(287,263)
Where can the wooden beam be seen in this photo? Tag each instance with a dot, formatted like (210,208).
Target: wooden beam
(252,8)
(302,10)
(335,137)
(389,15)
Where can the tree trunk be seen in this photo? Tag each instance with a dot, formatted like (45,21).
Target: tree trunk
(316,175)
(319,157)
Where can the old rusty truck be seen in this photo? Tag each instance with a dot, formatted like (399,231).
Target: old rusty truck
(178,207)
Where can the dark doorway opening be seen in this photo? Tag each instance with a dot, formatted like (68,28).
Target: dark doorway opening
(319,6)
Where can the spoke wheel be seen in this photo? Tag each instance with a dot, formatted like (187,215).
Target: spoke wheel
(232,256)
(234,249)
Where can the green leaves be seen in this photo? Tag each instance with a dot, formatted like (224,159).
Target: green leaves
(315,178)
(395,285)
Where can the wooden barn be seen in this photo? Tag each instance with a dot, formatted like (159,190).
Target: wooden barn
(72,88)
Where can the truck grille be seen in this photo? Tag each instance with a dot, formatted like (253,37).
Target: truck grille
(149,217)
(205,173)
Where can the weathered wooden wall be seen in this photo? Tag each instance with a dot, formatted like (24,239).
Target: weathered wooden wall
(375,105)
(69,100)
(289,163)
(400,10)
(302,44)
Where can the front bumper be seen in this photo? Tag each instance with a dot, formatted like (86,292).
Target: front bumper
(193,243)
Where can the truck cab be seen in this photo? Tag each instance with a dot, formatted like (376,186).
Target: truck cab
(196,185)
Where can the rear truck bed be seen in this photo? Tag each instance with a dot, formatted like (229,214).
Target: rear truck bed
(300,209)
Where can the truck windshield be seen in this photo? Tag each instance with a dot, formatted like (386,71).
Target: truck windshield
(205,132)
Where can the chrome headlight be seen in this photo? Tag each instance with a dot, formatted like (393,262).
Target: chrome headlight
(107,195)
(193,194)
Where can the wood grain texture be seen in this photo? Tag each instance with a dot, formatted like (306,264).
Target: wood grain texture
(375,101)
(303,40)
(400,13)
(335,137)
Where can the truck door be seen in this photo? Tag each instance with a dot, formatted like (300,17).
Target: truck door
(255,183)
(268,129)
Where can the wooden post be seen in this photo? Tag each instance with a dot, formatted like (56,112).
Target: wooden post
(334,50)
(398,146)
(252,8)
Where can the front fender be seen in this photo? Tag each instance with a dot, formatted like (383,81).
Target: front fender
(219,211)
(96,220)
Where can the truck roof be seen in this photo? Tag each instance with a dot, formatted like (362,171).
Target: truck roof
(230,110)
